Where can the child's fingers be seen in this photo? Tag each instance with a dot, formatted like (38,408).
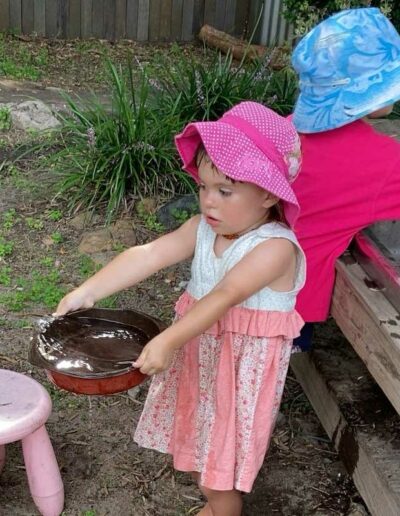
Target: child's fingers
(139,361)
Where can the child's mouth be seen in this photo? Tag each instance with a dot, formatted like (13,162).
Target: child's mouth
(211,221)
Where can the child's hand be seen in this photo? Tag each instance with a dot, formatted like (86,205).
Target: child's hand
(75,300)
(156,357)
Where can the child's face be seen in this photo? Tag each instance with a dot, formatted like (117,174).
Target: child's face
(231,207)
(379,113)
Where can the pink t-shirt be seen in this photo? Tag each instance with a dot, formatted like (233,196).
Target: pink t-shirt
(349,179)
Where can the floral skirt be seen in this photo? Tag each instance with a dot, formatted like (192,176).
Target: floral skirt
(215,408)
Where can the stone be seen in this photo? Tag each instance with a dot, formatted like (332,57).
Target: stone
(96,241)
(123,232)
(356,509)
(32,115)
(83,219)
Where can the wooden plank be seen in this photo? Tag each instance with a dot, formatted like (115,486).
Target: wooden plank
(73,22)
(241,17)
(132,19)
(143,20)
(98,19)
(341,393)
(198,16)
(187,20)
(4,15)
(210,8)
(39,17)
(371,324)
(51,19)
(62,17)
(154,20)
(220,15)
(165,20)
(86,18)
(15,15)
(120,19)
(230,12)
(109,20)
(176,20)
(27,16)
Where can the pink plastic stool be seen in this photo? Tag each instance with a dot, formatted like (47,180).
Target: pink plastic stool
(24,409)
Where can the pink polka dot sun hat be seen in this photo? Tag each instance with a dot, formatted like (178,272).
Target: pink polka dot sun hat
(249,143)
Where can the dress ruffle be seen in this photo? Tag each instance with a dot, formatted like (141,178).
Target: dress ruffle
(254,323)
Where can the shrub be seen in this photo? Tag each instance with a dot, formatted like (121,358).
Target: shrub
(305,14)
(104,155)
(205,90)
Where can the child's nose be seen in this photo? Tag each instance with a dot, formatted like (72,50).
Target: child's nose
(209,199)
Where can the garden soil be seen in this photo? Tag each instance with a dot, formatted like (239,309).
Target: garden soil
(104,472)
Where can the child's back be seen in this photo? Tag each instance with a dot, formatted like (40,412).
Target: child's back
(349,67)
(350,178)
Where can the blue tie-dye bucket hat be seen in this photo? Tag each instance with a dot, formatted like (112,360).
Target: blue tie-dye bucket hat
(348,66)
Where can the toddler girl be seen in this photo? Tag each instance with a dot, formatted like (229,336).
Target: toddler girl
(220,367)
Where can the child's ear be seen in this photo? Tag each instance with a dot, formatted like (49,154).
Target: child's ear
(270,200)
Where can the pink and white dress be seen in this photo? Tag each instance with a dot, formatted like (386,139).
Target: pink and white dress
(214,409)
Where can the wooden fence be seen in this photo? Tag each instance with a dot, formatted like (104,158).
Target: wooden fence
(140,20)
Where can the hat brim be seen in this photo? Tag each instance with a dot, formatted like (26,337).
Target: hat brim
(236,144)
(321,109)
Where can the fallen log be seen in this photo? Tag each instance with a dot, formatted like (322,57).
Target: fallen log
(278,57)
(227,43)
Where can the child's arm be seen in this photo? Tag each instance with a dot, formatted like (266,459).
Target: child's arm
(270,263)
(132,266)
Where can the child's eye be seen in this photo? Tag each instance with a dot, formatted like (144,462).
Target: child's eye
(225,193)
(201,186)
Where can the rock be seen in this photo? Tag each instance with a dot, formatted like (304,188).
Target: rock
(169,214)
(135,392)
(123,232)
(356,509)
(147,205)
(32,114)
(96,241)
(84,218)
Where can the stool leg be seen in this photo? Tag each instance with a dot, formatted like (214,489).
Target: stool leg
(43,473)
(2,455)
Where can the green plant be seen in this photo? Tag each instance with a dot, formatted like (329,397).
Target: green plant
(87,267)
(18,61)
(5,119)
(9,219)
(305,14)
(150,219)
(205,90)
(43,289)
(47,261)
(57,237)
(55,215)
(33,223)
(5,276)
(6,247)
(181,216)
(104,156)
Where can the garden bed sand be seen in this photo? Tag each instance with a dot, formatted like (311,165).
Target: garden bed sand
(104,471)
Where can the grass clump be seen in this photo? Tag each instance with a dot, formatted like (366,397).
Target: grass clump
(105,155)
(206,90)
